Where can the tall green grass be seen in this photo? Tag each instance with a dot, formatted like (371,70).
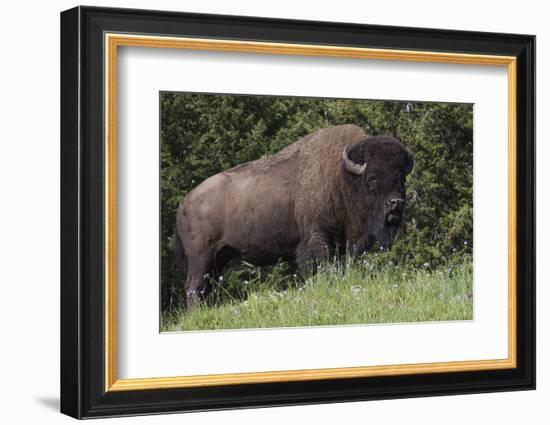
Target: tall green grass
(371,289)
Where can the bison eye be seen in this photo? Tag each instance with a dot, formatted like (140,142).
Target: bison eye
(372,182)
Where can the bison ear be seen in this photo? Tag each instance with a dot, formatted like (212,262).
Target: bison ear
(409,163)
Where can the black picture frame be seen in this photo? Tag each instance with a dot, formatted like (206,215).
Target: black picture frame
(83,392)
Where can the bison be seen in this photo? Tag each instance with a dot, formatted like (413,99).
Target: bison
(335,189)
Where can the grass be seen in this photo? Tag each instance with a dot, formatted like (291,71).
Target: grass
(371,289)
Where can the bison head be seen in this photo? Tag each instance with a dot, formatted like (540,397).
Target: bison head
(374,177)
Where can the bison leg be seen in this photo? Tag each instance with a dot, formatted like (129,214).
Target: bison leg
(311,253)
(198,276)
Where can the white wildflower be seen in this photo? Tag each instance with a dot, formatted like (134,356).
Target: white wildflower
(356,289)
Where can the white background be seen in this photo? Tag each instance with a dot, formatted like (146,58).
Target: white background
(29,225)
(143,72)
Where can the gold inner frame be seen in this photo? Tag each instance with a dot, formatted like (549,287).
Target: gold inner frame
(113,41)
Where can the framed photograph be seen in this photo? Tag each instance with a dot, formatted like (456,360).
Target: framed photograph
(261,212)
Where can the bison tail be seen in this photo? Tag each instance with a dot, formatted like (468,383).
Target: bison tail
(181,258)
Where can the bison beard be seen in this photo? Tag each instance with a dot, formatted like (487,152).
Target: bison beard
(332,190)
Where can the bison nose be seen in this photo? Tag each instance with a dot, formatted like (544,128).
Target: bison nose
(397,203)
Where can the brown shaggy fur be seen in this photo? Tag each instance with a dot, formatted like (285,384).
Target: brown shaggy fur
(300,204)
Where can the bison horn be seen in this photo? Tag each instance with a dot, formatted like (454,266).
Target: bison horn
(351,166)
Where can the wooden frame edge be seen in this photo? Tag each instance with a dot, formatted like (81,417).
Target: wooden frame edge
(512,212)
(110,212)
(114,40)
(306,375)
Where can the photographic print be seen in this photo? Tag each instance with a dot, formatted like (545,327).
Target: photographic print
(319,211)
(293,211)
